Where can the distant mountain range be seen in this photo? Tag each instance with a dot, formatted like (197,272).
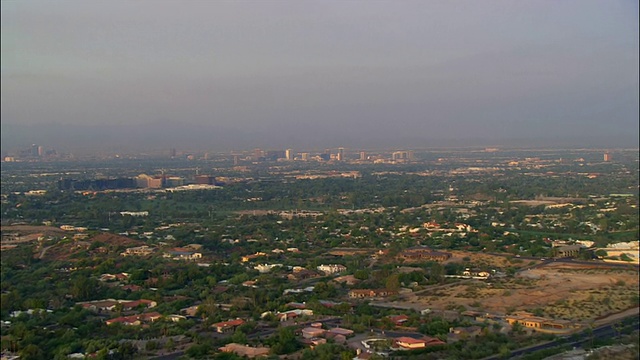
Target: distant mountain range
(131,138)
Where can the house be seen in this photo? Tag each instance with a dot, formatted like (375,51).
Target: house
(176,318)
(227,326)
(265,268)
(135,320)
(150,317)
(476,273)
(131,288)
(332,268)
(328,303)
(431,225)
(182,255)
(245,351)
(568,250)
(252,256)
(250,283)
(339,331)
(340,339)
(463,227)
(124,320)
(100,305)
(313,342)
(370,293)
(363,355)
(540,324)
(312,332)
(347,279)
(190,311)
(297,305)
(398,319)
(410,343)
(110,304)
(130,305)
(292,314)
(138,251)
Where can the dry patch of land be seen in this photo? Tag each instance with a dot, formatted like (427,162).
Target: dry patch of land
(562,291)
(29,229)
(488,261)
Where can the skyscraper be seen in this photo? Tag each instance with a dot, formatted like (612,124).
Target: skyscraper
(607,156)
(363,156)
(289,154)
(340,156)
(326,155)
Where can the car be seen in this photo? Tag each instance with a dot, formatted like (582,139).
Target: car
(542,259)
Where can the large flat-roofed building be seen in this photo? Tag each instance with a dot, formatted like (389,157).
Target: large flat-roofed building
(205,180)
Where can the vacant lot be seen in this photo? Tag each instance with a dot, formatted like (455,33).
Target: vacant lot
(488,261)
(567,291)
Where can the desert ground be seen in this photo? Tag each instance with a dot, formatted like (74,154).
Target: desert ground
(558,290)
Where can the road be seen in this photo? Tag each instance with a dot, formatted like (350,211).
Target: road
(44,251)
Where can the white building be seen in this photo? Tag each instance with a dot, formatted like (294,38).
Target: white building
(332,268)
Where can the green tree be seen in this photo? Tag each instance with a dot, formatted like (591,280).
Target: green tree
(392,283)
(361,274)
(32,352)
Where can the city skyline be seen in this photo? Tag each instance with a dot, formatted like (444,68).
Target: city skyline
(228,76)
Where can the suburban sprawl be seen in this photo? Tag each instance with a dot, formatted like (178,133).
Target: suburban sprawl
(330,254)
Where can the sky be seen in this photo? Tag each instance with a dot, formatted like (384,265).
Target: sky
(307,73)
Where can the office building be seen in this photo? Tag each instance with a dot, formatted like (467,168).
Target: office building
(205,180)
(326,155)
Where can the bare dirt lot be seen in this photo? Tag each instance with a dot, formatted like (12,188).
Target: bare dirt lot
(489,261)
(563,291)
(29,229)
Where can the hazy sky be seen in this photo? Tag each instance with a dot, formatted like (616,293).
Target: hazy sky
(419,69)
